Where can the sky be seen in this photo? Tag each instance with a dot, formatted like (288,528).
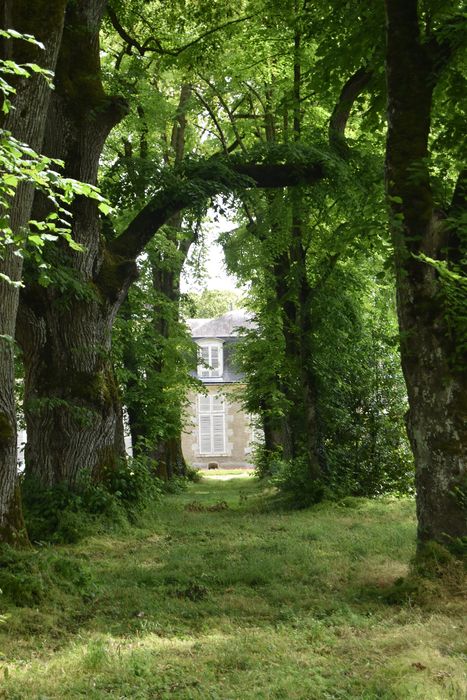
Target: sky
(216,274)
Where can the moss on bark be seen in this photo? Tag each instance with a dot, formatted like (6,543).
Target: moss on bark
(115,270)
(7,430)
(13,530)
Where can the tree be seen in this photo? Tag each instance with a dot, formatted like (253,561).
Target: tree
(430,255)
(209,303)
(26,122)
(71,402)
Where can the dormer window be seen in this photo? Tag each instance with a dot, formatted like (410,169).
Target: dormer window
(210,358)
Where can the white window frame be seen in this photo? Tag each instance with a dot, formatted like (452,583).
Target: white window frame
(212,346)
(254,432)
(211,409)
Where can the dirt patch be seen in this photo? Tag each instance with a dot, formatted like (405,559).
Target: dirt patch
(197,507)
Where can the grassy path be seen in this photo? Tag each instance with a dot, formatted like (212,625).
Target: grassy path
(218,597)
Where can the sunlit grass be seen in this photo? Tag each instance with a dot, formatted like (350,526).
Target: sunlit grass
(241,602)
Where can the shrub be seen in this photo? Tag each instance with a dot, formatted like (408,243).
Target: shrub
(133,484)
(60,515)
(177,484)
(292,477)
(193,474)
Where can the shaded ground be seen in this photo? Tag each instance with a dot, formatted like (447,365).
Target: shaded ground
(219,597)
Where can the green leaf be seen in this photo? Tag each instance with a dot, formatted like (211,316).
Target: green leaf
(105,208)
(37,240)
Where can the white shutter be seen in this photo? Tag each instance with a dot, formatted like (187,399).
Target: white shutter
(217,403)
(205,434)
(218,434)
(204,403)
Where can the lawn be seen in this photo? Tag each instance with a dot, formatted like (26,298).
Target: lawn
(220,595)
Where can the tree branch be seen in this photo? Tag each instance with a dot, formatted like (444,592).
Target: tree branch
(340,115)
(214,119)
(459,196)
(131,42)
(194,188)
(123,34)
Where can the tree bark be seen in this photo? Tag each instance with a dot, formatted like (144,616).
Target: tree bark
(26,122)
(72,407)
(436,378)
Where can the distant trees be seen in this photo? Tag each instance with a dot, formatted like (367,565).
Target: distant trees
(210,303)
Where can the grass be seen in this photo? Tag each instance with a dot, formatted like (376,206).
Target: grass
(221,596)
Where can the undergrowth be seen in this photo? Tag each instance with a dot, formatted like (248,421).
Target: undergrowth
(60,515)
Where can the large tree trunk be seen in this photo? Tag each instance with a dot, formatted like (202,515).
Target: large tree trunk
(71,400)
(436,378)
(26,122)
(72,407)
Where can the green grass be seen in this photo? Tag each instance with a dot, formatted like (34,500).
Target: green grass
(245,601)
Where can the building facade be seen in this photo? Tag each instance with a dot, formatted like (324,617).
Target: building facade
(218,431)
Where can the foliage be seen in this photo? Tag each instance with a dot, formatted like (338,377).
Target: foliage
(20,165)
(292,477)
(362,393)
(209,303)
(132,483)
(58,514)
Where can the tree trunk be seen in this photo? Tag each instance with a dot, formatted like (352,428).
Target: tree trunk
(166,284)
(169,457)
(26,122)
(134,403)
(72,407)
(71,401)
(436,378)
(165,275)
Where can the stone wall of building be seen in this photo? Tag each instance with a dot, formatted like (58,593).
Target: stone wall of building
(238,432)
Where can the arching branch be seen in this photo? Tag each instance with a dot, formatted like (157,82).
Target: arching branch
(340,115)
(203,182)
(154,45)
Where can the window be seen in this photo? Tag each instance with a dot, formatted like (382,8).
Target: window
(211,359)
(211,422)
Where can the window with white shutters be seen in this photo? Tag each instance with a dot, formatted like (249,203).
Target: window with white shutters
(211,422)
(211,357)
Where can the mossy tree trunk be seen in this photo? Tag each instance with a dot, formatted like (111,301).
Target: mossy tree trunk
(434,369)
(26,121)
(72,405)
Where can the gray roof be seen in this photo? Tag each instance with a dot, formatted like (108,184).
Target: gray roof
(225,326)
